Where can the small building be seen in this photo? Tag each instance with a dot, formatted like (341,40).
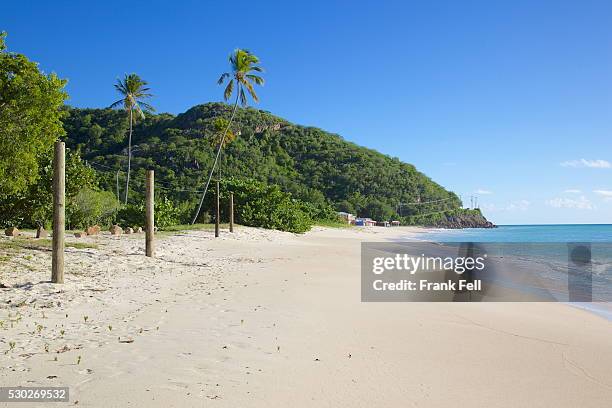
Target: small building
(383,223)
(366,222)
(348,217)
(395,223)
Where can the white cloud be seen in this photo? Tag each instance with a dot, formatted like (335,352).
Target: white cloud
(520,205)
(605,193)
(581,203)
(483,191)
(596,164)
(572,191)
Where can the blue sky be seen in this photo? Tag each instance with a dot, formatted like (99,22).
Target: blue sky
(510,101)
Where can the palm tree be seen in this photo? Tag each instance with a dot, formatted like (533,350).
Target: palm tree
(220,136)
(243,64)
(134,90)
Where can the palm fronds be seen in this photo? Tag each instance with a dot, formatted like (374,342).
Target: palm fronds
(133,89)
(242,63)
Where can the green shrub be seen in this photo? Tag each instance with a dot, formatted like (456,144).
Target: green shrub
(166,214)
(34,207)
(131,214)
(320,212)
(89,207)
(261,205)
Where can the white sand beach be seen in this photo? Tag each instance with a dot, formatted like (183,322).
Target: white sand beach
(262,318)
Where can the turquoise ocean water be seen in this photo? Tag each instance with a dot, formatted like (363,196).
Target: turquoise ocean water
(525,233)
(599,235)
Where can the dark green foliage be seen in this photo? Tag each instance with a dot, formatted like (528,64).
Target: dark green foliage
(131,215)
(378,210)
(314,166)
(166,214)
(34,206)
(319,212)
(96,131)
(261,205)
(457,218)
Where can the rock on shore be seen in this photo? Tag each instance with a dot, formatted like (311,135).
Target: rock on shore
(467,219)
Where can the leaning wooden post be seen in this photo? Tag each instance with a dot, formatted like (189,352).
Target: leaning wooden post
(231,212)
(59,212)
(217,212)
(150,215)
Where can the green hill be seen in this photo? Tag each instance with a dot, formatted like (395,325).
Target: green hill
(313,165)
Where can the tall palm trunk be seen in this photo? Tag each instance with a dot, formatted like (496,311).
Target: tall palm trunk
(220,166)
(127,183)
(197,214)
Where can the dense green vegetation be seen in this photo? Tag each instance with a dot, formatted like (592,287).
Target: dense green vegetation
(33,206)
(314,166)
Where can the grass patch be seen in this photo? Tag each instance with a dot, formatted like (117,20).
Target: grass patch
(168,231)
(332,224)
(188,227)
(18,243)
(81,245)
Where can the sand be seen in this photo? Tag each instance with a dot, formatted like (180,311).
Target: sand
(269,319)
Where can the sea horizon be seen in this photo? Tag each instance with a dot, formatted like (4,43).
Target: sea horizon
(524,233)
(545,224)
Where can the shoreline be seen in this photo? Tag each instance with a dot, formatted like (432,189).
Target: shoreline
(598,308)
(266,318)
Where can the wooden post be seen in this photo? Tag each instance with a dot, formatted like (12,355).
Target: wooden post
(150,215)
(59,212)
(217,212)
(231,214)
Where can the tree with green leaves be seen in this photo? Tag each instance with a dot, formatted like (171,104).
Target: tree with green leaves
(91,206)
(133,90)
(30,120)
(34,206)
(242,77)
(221,137)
